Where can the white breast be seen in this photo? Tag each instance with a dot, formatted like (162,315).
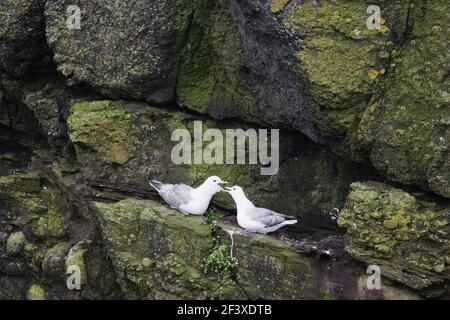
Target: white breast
(247,223)
(195,206)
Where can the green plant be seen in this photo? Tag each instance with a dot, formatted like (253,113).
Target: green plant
(214,215)
(221,262)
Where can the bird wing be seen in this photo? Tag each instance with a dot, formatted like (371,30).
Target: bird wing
(266,216)
(176,194)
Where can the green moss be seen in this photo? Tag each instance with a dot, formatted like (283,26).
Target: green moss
(76,257)
(102,125)
(164,243)
(54,260)
(210,61)
(213,214)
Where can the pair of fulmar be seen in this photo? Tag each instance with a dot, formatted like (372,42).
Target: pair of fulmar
(195,201)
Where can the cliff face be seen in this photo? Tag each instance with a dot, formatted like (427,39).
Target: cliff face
(86,117)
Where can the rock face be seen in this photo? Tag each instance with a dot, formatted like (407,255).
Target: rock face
(407,237)
(123,145)
(408,128)
(274,62)
(158,253)
(22,35)
(312,66)
(123,49)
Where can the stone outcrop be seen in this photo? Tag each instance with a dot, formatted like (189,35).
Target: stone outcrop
(123,49)
(404,235)
(86,117)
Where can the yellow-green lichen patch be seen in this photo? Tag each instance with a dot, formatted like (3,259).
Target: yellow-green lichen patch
(277,5)
(35,292)
(337,85)
(15,243)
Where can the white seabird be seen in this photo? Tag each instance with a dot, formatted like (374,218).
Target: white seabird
(256,219)
(186,199)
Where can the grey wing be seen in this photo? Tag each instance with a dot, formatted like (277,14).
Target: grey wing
(266,216)
(176,194)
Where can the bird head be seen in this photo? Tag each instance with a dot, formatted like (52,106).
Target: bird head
(214,183)
(235,191)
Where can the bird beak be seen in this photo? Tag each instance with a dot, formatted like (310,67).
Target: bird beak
(223,182)
(228,189)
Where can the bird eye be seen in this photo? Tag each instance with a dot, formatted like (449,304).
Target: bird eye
(214,180)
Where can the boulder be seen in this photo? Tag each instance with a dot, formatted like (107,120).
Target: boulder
(407,128)
(122,49)
(35,292)
(311,66)
(406,236)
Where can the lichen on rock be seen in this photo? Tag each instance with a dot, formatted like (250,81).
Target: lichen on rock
(124,49)
(36,292)
(406,236)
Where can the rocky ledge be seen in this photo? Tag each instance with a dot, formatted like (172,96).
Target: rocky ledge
(160,253)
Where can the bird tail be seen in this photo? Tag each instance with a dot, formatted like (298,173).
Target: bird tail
(278,226)
(155,184)
(289,217)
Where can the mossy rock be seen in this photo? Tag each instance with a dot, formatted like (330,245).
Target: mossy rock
(15,243)
(406,236)
(158,252)
(407,127)
(128,63)
(49,218)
